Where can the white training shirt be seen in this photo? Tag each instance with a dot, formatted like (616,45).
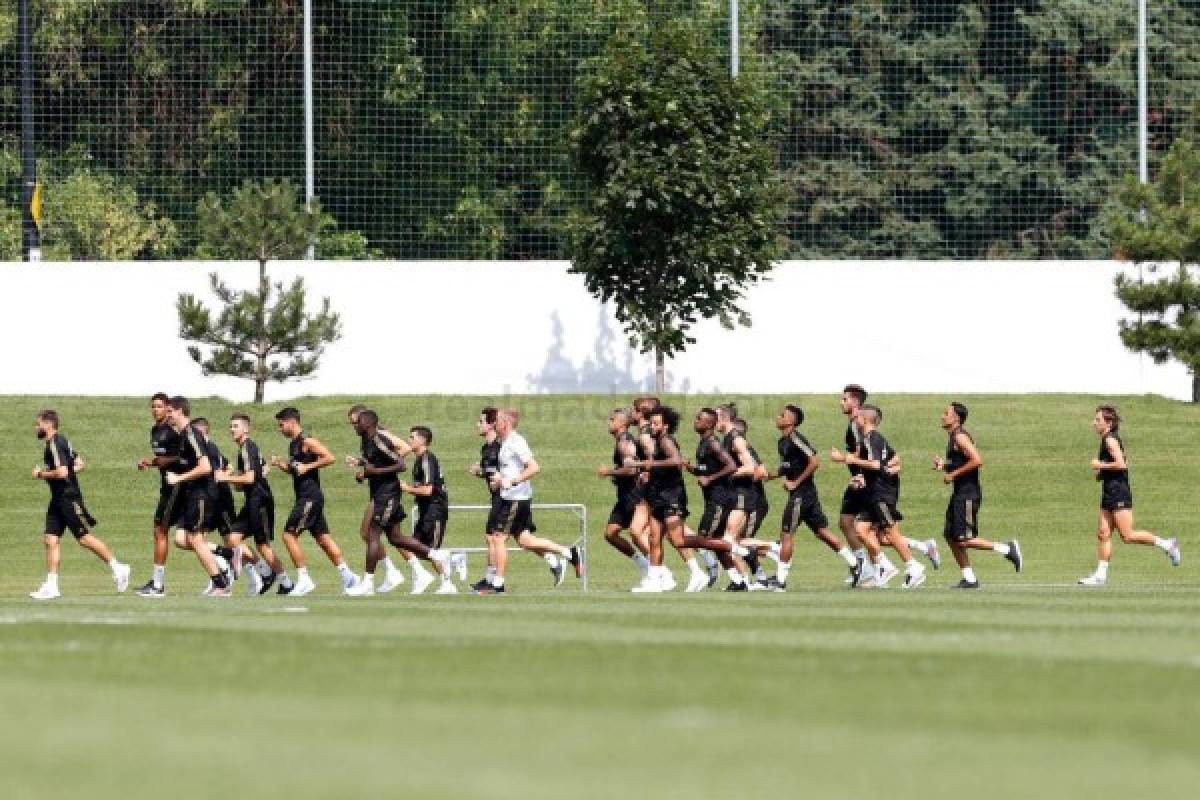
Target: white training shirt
(514,455)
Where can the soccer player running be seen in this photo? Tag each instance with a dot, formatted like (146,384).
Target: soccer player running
(713,468)
(961,468)
(220,496)
(741,492)
(880,521)
(432,504)
(667,496)
(629,494)
(306,457)
(393,576)
(1116,498)
(196,479)
(256,520)
(798,463)
(487,468)
(164,448)
(381,463)
(65,510)
(517,467)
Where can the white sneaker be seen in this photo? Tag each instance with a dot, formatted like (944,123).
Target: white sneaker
(667,581)
(121,577)
(756,586)
(459,562)
(349,579)
(935,558)
(698,582)
(1093,580)
(394,578)
(649,585)
(364,588)
(1173,552)
(885,575)
(447,587)
(46,592)
(302,586)
(254,582)
(915,578)
(420,582)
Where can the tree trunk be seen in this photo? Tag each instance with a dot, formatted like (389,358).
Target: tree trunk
(1196,386)
(260,334)
(660,372)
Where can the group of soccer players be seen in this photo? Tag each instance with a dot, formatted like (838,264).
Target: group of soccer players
(196,498)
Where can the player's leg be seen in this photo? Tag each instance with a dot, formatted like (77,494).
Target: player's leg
(1123,520)
(52,542)
(1104,528)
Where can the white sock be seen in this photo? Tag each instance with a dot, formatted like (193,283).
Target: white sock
(551,559)
(886,563)
(52,580)
(709,559)
(735,576)
(113,564)
(389,565)
(868,570)
(344,570)
(369,578)
(160,572)
(911,565)
(1001,548)
(284,580)
(302,573)
(264,569)
(781,574)
(694,566)
(418,569)
(642,562)
(497,581)
(491,573)
(968,575)
(1102,569)
(1161,544)
(920,546)
(848,556)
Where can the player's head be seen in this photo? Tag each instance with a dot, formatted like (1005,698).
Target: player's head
(1107,420)
(618,420)
(366,422)
(741,426)
(158,407)
(790,416)
(46,423)
(239,427)
(953,416)
(853,397)
(419,438)
(869,417)
(663,419)
(201,424)
(726,414)
(642,406)
(355,410)
(179,412)
(705,421)
(487,421)
(288,420)
(506,421)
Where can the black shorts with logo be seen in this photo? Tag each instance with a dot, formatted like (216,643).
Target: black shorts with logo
(803,507)
(66,513)
(667,503)
(224,510)
(759,515)
(431,526)
(880,513)
(170,506)
(1116,497)
(387,511)
(308,514)
(854,502)
(624,509)
(514,517)
(714,519)
(198,510)
(257,518)
(740,498)
(962,517)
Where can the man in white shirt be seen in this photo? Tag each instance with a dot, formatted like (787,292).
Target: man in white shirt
(515,518)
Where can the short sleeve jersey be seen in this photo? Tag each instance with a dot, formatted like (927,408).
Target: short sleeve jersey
(164,441)
(57,454)
(428,472)
(250,461)
(308,484)
(882,485)
(795,453)
(192,447)
(514,455)
(853,445)
(216,459)
(380,451)
(665,478)
(625,483)
(489,462)
(955,458)
(709,462)
(737,481)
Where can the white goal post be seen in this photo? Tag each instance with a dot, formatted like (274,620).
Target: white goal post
(581,540)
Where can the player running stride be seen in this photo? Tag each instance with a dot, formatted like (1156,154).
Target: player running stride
(65,510)
(1116,499)
(164,448)
(961,468)
(624,478)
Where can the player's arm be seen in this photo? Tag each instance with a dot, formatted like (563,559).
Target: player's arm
(530,469)
(432,474)
(157,462)
(628,453)
(873,461)
(1114,452)
(324,457)
(728,466)
(968,449)
(748,462)
(59,471)
(673,458)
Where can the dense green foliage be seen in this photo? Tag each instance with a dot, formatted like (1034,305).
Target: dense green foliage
(1158,225)
(264,334)
(683,203)
(950,129)
(1060,691)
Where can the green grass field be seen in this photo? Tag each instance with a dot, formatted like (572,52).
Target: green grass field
(1032,687)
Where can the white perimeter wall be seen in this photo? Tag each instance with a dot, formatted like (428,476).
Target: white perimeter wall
(496,328)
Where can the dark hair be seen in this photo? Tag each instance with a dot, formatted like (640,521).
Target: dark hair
(356,409)
(368,416)
(160,396)
(180,403)
(856,391)
(796,412)
(728,410)
(49,415)
(241,417)
(960,410)
(670,417)
(489,415)
(878,411)
(741,426)
(1111,416)
(423,432)
(646,404)
(288,413)
(202,422)
(709,412)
